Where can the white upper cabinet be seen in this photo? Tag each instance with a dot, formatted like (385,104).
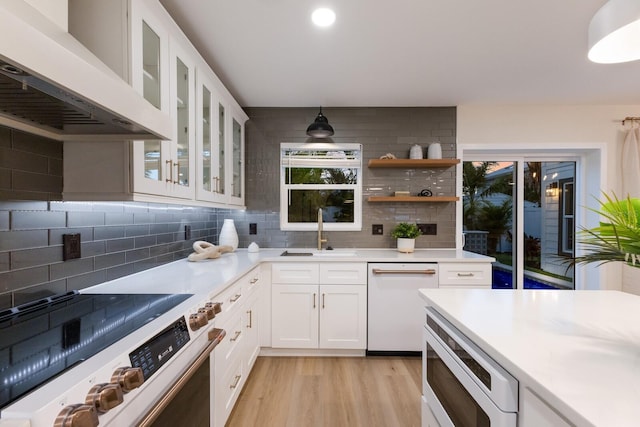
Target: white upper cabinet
(203,163)
(219,145)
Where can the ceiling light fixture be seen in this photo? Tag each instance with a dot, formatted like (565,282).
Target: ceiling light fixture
(614,32)
(323,17)
(320,128)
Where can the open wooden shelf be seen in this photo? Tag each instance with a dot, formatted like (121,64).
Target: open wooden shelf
(413,163)
(414,199)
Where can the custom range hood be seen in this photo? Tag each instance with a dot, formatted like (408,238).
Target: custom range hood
(51,85)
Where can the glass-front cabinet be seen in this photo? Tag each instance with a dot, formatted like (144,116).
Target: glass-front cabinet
(237,161)
(203,160)
(219,145)
(209,141)
(180,166)
(150,77)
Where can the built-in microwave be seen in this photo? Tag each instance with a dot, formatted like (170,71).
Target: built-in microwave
(462,385)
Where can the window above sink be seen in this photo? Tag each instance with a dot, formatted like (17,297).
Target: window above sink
(321,175)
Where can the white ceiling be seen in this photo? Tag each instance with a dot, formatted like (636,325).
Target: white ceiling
(405,52)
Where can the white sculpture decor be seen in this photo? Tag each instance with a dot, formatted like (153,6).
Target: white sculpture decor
(206,250)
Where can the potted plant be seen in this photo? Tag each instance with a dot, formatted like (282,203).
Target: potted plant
(406,234)
(617,238)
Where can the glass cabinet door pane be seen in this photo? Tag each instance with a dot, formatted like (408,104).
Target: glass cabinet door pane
(237,159)
(206,139)
(152,160)
(150,65)
(221,141)
(182,105)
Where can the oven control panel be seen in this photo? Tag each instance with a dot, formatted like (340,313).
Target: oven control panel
(158,350)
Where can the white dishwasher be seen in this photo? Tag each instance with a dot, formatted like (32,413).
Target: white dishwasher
(395,311)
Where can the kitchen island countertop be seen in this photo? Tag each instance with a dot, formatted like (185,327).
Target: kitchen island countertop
(578,350)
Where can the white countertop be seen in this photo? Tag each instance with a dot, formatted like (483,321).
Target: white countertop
(209,277)
(579,350)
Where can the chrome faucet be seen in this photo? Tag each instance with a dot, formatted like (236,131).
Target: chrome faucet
(320,239)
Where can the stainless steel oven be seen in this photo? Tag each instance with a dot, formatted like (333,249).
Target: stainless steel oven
(462,385)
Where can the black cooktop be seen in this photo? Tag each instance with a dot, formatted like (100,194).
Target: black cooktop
(40,340)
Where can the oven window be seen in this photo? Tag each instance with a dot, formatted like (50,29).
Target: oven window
(191,406)
(454,398)
(481,373)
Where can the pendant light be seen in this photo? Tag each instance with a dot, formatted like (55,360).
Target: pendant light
(614,32)
(320,128)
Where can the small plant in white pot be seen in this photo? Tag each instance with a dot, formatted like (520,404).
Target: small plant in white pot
(406,234)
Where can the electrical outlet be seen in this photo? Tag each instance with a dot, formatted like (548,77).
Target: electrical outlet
(428,229)
(377,229)
(253,228)
(71,246)
(187,232)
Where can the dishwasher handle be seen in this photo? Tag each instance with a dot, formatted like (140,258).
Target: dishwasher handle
(428,271)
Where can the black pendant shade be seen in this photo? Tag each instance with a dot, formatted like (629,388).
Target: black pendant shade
(320,128)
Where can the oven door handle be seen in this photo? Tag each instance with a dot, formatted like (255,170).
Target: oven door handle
(215,337)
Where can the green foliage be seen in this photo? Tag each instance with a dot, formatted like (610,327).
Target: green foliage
(495,219)
(405,231)
(617,238)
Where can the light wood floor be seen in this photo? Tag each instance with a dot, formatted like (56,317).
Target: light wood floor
(331,391)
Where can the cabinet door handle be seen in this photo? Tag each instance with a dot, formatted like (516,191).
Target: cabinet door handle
(169,170)
(235,382)
(465,274)
(177,166)
(322,300)
(314,300)
(250,319)
(235,298)
(236,336)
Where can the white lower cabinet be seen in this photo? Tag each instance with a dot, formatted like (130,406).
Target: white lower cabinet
(534,412)
(236,354)
(319,305)
(475,275)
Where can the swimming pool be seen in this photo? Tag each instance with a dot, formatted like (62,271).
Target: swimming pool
(502,279)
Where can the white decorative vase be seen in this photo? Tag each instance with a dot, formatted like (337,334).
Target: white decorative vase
(406,245)
(434,151)
(228,234)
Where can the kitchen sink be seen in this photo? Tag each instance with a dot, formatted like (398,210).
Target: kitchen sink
(287,253)
(324,253)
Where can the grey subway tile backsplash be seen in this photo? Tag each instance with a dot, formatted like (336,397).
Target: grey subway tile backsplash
(29,220)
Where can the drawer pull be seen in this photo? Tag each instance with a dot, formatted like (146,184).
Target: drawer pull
(236,336)
(235,298)
(381,271)
(465,274)
(254,280)
(236,380)
(250,325)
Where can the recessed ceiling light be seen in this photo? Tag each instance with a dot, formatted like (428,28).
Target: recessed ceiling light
(323,17)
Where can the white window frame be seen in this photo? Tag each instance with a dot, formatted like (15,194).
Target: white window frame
(329,162)
(588,156)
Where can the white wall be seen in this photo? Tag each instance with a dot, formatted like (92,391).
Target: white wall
(542,127)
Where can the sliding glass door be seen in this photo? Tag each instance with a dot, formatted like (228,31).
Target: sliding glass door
(521,212)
